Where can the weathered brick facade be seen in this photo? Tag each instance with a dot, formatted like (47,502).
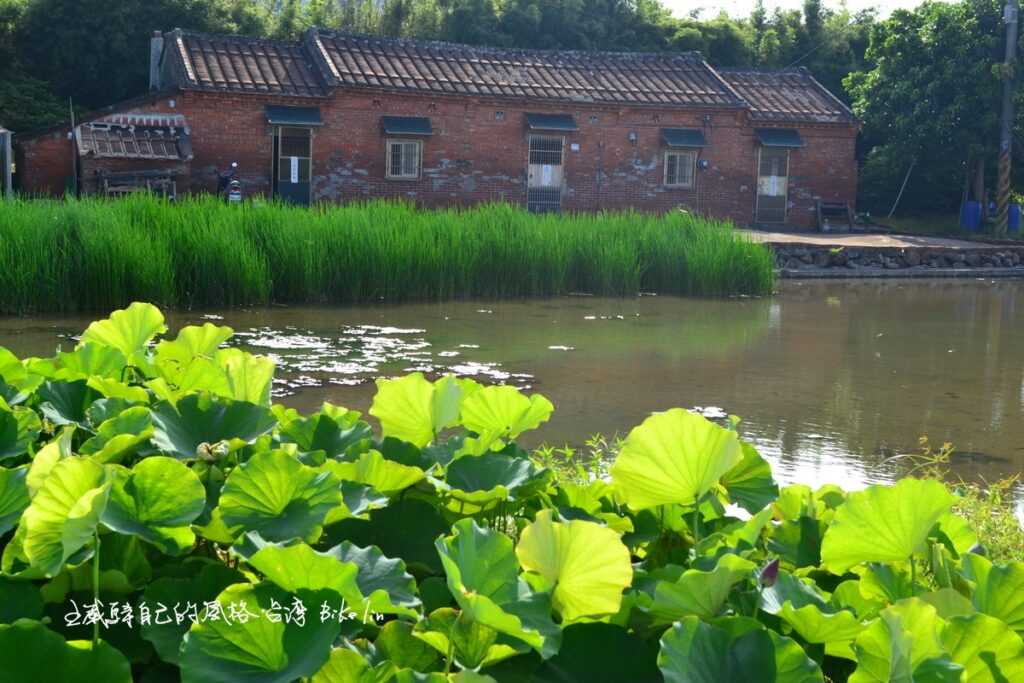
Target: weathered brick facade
(478,151)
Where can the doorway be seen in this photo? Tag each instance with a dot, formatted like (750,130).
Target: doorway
(293,153)
(772,185)
(544,174)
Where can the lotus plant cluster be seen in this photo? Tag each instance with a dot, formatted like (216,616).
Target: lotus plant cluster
(162,520)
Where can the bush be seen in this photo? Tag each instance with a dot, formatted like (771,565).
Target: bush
(159,517)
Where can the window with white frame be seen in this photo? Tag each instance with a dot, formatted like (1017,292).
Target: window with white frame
(679,168)
(404,158)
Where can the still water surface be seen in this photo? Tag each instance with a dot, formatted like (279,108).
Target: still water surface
(830,378)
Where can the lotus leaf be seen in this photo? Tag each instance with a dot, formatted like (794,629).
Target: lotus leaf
(128,330)
(472,644)
(397,643)
(987,649)
(736,649)
(120,436)
(585,563)
(347,666)
(999,589)
(65,403)
(204,419)
(156,500)
(884,523)
(19,600)
(32,653)
(259,648)
(498,413)
(904,644)
(750,483)
(63,515)
(673,457)
(382,580)
(277,496)
(298,567)
(416,410)
(14,496)
(701,593)
(371,469)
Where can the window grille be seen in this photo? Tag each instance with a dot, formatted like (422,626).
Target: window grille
(546,150)
(404,159)
(679,168)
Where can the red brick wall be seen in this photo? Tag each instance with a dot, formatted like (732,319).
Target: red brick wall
(474,157)
(44,163)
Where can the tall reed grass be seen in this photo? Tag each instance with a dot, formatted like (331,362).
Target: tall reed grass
(96,254)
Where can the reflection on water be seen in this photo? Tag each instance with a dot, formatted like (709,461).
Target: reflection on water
(830,378)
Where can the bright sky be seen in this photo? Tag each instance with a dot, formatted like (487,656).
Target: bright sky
(742,8)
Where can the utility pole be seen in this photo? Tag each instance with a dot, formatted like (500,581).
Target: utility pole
(1006,134)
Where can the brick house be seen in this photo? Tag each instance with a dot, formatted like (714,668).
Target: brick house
(337,117)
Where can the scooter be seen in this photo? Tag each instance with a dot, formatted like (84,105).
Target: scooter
(228,186)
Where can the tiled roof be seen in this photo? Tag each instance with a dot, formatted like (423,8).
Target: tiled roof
(610,77)
(790,95)
(242,64)
(136,136)
(323,60)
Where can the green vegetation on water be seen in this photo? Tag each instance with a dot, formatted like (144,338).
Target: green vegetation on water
(96,255)
(227,539)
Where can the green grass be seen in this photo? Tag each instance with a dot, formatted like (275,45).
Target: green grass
(97,255)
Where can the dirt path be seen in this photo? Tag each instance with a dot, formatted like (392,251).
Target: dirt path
(849,240)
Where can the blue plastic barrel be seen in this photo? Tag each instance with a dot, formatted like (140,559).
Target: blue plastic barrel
(970,216)
(1013,218)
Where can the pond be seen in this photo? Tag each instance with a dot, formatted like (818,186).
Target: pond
(831,378)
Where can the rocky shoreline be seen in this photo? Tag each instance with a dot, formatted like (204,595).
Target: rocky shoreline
(807,260)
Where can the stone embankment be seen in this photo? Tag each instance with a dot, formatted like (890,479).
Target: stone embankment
(798,260)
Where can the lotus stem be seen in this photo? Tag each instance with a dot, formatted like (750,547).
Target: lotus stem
(96,585)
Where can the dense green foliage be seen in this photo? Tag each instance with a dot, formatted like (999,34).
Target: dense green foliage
(96,254)
(160,518)
(96,52)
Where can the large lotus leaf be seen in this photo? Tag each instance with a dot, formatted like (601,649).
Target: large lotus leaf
(63,515)
(19,428)
(156,500)
(792,589)
(884,523)
(249,377)
(14,562)
(600,652)
(948,603)
(346,666)
(999,589)
(479,481)
(14,497)
(585,563)
(472,644)
(673,457)
(481,568)
(397,644)
(167,635)
(382,580)
(204,419)
(276,495)
(736,649)
(503,412)
(798,541)
(357,500)
(332,432)
(987,648)
(48,456)
(128,330)
(750,483)
(956,532)
(904,644)
(406,528)
(14,372)
(260,649)
(701,593)
(385,476)
(193,341)
(32,653)
(91,360)
(120,436)
(298,567)
(414,409)
(114,389)
(817,626)
(65,403)
(19,600)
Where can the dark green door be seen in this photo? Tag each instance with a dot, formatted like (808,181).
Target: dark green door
(292,163)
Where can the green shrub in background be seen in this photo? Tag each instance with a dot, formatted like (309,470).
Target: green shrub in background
(97,254)
(160,518)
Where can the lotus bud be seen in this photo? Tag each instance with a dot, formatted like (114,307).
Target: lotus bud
(769,574)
